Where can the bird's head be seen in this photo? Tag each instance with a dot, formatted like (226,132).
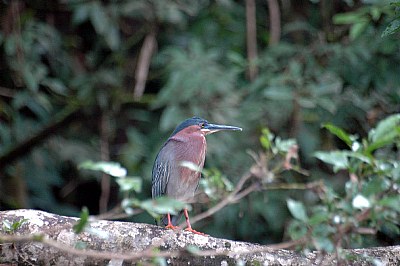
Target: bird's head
(200,125)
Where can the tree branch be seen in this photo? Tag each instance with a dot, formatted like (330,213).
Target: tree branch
(62,119)
(251,39)
(6,92)
(46,238)
(274,22)
(142,69)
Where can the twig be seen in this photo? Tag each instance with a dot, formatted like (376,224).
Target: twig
(251,39)
(246,192)
(365,231)
(297,186)
(274,22)
(105,157)
(116,213)
(142,69)
(238,194)
(242,181)
(233,197)
(6,92)
(289,244)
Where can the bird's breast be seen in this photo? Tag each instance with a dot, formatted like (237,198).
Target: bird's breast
(194,152)
(186,179)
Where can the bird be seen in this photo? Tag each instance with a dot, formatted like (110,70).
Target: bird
(171,175)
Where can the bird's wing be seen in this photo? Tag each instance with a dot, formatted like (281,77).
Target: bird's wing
(160,176)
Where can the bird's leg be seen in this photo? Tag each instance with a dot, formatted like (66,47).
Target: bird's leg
(170,225)
(189,227)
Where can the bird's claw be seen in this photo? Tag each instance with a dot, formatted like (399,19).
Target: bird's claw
(195,232)
(170,226)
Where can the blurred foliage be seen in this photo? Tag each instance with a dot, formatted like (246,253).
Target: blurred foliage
(11,227)
(70,65)
(371,198)
(83,221)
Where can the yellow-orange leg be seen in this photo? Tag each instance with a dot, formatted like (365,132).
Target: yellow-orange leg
(170,225)
(189,227)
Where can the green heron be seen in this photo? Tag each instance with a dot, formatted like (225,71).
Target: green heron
(170,176)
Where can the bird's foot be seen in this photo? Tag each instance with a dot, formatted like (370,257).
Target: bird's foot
(170,226)
(195,232)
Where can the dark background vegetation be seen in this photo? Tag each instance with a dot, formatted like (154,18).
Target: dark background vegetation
(74,87)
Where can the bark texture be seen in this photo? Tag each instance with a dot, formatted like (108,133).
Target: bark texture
(48,239)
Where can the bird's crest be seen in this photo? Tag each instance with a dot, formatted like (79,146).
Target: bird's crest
(187,123)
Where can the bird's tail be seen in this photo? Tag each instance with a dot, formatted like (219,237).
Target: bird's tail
(174,219)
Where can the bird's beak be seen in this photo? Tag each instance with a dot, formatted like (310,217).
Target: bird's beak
(212,128)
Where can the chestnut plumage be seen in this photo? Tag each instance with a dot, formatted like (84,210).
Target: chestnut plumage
(170,177)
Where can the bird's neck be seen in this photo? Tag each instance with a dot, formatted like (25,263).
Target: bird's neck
(193,147)
(190,138)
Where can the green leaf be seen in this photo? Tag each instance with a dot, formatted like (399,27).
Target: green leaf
(337,158)
(297,229)
(129,184)
(7,226)
(236,58)
(215,184)
(55,85)
(375,186)
(358,156)
(83,221)
(29,79)
(324,243)
(375,13)
(112,37)
(12,227)
(98,17)
(328,104)
(392,28)
(395,171)
(385,127)
(392,202)
(306,102)
(346,18)
(297,210)
(266,138)
(279,93)
(284,145)
(318,218)
(338,132)
(390,228)
(340,159)
(81,14)
(110,168)
(385,132)
(358,28)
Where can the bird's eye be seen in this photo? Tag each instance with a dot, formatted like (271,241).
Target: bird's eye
(202,125)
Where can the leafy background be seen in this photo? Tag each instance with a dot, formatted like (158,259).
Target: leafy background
(68,94)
